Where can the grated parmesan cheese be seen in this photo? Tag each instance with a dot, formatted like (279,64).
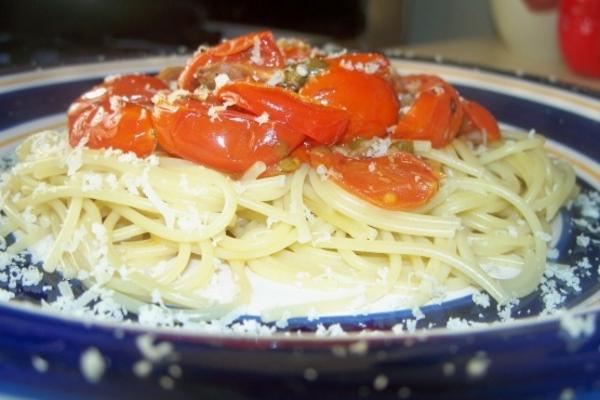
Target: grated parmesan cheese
(151,351)
(582,240)
(255,56)
(417,313)
(39,364)
(381,382)
(253,327)
(262,118)
(331,331)
(567,394)
(31,276)
(92,365)
(301,70)
(478,365)
(322,172)
(6,295)
(411,325)
(221,80)
(276,78)
(166,382)
(458,324)
(481,299)
(578,326)
(543,236)
(347,64)
(142,368)
(115,103)
(378,147)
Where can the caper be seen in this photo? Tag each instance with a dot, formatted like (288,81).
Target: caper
(289,164)
(292,80)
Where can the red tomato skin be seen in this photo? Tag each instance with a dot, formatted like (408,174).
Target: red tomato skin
(236,50)
(124,122)
(326,125)
(129,129)
(436,114)
(579,35)
(230,142)
(398,181)
(479,125)
(369,98)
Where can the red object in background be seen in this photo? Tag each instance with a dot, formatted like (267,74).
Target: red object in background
(579,35)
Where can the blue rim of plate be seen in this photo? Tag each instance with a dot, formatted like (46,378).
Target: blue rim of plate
(28,330)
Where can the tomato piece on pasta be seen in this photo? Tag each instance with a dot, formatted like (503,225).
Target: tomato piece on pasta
(479,124)
(325,125)
(397,181)
(434,111)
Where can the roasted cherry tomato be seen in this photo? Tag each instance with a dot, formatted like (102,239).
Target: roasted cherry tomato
(227,140)
(434,110)
(323,124)
(368,97)
(115,114)
(257,49)
(398,181)
(479,125)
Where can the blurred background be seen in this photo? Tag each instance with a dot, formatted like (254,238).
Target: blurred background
(513,35)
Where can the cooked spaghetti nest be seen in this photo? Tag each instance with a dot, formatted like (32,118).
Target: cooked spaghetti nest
(168,227)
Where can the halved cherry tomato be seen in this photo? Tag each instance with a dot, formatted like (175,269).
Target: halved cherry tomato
(323,124)
(369,98)
(258,49)
(479,125)
(230,141)
(398,181)
(114,114)
(435,114)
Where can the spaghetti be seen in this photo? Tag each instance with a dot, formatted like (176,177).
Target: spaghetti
(166,226)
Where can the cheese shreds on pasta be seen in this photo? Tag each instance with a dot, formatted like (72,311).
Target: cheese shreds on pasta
(168,228)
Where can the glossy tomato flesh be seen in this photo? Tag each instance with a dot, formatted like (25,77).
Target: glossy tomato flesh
(323,124)
(230,141)
(116,114)
(256,49)
(436,113)
(479,125)
(398,181)
(368,97)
